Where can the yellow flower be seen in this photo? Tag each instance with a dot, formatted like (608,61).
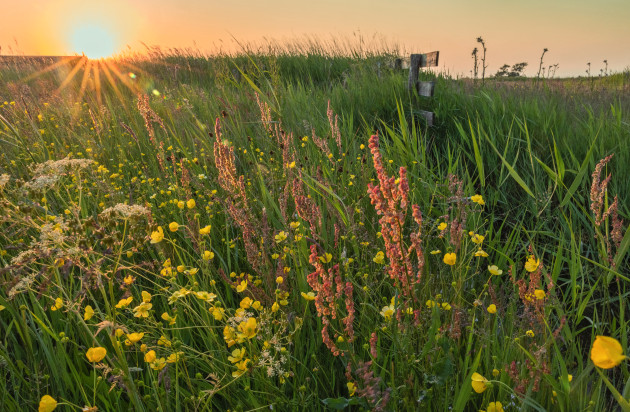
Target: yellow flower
(279,279)
(96,354)
(477,238)
(492,309)
(47,404)
(532,264)
(280,237)
(481,253)
(181,204)
(237,355)
(191,203)
(242,368)
(326,258)
(450,258)
(379,258)
(135,337)
(494,407)
(275,307)
(157,236)
(479,383)
(129,280)
(607,352)
(294,225)
(149,356)
(58,304)
(241,286)
(174,357)
(257,305)
(158,364)
(530,333)
(540,294)
(146,297)
(246,303)
(446,306)
(170,319)
(173,226)
(308,296)
(436,252)
(248,328)
(208,255)
(217,312)
(478,199)
(89,312)
(352,388)
(205,230)
(387,311)
(442,226)
(493,269)
(142,310)
(495,372)
(163,341)
(431,304)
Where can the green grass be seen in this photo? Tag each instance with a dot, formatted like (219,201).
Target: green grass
(529,148)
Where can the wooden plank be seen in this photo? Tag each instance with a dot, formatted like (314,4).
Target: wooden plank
(425,88)
(418,61)
(429,117)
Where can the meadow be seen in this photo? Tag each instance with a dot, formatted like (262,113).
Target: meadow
(280,230)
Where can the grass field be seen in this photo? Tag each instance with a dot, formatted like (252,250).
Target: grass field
(280,230)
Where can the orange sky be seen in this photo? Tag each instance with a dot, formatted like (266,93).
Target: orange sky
(574,31)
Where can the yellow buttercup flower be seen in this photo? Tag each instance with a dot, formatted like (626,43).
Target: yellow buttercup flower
(387,311)
(47,404)
(492,309)
(308,296)
(158,364)
(280,237)
(123,303)
(481,253)
(530,333)
(96,354)
(146,297)
(157,236)
(191,203)
(135,337)
(494,407)
(478,199)
(450,258)
(352,388)
(327,257)
(477,238)
(532,264)
(173,226)
(493,269)
(205,230)
(540,294)
(607,352)
(89,312)
(208,255)
(237,355)
(442,226)
(241,286)
(149,356)
(142,310)
(379,258)
(479,383)
(248,328)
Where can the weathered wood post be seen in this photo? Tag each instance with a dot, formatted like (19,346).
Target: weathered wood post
(423,88)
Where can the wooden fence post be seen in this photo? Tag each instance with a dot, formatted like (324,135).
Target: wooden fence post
(422,88)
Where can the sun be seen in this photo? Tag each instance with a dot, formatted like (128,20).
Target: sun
(94,40)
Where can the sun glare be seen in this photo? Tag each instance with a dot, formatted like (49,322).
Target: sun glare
(95,41)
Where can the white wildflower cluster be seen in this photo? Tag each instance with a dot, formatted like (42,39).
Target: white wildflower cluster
(57,167)
(23,285)
(4,179)
(53,233)
(124,211)
(42,182)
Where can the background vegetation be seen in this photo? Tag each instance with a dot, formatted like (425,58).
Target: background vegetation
(406,308)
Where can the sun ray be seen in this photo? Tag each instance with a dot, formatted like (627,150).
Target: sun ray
(71,75)
(63,61)
(97,84)
(84,80)
(103,65)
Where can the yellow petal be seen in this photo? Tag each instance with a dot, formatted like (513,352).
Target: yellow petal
(606,352)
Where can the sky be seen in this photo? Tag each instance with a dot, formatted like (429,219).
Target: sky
(574,31)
